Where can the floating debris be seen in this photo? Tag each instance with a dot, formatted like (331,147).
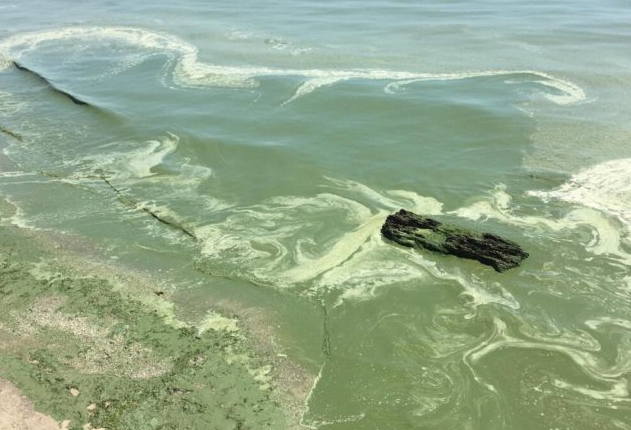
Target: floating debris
(416,231)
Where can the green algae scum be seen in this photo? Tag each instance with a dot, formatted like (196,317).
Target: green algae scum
(85,352)
(248,215)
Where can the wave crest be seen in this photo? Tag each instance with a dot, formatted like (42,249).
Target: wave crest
(189,71)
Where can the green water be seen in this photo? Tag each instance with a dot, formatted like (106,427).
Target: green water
(272,139)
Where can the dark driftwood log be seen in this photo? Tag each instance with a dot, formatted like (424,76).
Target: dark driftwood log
(416,231)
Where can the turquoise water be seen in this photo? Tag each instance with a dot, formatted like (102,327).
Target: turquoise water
(280,135)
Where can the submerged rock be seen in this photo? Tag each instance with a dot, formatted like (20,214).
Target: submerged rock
(11,133)
(416,231)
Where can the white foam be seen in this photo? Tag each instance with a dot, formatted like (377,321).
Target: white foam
(569,92)
(10,105)
(191,72)
(607,237)
(313,84)
(16,174)
(306,408)
(141,162)
(137,161)
(239,35)
(17,45)
(498,206)
(603,193)
(619,391)
(597,323)
(19,218)
(5,62)
(390,199)
(131,163)
(605,187)
(131,168)
(317,78)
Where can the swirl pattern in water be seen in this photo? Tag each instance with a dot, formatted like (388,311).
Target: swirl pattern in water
(260,191)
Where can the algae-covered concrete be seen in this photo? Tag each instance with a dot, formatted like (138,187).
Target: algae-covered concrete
(89,355)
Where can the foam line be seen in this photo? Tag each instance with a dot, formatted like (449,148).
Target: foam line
(619,391)
(303,422)
(189,71)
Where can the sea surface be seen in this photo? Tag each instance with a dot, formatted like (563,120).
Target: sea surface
(248,152)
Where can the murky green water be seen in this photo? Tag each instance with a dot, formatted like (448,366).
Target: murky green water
(273,138)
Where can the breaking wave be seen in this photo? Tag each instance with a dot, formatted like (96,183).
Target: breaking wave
(189,71)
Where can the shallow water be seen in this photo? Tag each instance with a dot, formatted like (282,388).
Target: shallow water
(273,138)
